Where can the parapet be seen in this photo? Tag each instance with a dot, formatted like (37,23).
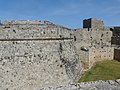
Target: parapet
(23,22)
(93,23)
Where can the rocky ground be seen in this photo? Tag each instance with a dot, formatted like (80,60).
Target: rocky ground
(97,85)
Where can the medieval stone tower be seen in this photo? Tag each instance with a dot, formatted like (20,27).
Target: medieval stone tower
(94,42)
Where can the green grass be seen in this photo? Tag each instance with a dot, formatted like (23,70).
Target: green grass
(104,70)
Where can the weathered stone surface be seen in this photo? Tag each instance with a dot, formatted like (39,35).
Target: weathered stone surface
(97,85)
(97,43)
(29,64)
(35,54)
(31,31)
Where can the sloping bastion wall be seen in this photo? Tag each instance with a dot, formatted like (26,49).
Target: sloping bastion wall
(36,54)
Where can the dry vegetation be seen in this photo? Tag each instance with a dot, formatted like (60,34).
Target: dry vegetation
(104,70)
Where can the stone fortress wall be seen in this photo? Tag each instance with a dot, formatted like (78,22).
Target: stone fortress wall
(22,29)
(94,42)
(35,54)
(116,42)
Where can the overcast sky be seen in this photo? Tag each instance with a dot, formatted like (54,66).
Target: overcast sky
(68,13)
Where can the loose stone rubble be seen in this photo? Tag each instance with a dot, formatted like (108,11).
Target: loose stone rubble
(95,85)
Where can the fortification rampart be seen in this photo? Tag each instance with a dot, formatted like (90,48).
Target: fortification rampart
(93,44)
(31,31)
(35,54)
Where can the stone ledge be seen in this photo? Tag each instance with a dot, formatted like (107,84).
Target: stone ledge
(94,85)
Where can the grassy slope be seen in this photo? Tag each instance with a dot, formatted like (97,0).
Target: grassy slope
(104,70)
